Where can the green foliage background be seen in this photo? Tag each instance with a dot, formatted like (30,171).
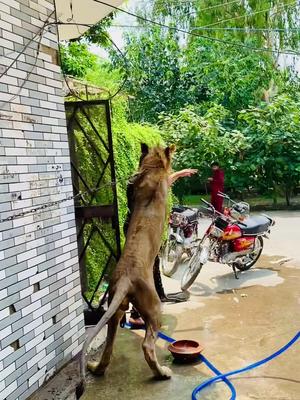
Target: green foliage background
(217,94)
(127,139)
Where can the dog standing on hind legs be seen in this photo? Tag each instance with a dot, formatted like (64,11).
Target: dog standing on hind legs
(132,280)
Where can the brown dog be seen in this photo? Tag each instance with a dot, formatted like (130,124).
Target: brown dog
(132,280)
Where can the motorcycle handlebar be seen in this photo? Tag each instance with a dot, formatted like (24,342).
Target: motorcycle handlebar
(241,223)
(207,203)
(225,196)
(211,207)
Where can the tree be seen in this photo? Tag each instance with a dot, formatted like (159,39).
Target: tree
(273,134)
(154,76)
(232,76)
(76,59)
(98,34)
(245,16)
(214,19)
(167,70)
(202,139)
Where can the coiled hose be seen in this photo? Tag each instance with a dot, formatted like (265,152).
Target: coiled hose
(223,377)
(245,369)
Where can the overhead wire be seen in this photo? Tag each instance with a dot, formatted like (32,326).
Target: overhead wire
(196,2)
(26,46)
(25,80)
(163,26)
(250,14)
(191,33)
(229,28)
(60,54)
(59,23)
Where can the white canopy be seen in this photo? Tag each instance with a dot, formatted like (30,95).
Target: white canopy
(81,12)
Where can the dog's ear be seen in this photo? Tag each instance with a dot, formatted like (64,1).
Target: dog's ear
(144,152)
(144,149)
(170,150)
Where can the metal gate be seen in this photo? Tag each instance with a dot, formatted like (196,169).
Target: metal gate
(96,212)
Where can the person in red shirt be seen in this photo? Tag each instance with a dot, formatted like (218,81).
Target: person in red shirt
(217,185)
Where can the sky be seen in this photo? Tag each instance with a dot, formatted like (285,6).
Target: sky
(116,34)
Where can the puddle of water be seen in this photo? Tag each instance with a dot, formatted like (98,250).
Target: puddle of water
(216,279)
(226,283)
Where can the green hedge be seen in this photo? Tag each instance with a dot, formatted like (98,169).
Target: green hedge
(127,139)
(127,144)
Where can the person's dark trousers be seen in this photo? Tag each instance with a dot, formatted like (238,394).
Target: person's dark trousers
(157,279)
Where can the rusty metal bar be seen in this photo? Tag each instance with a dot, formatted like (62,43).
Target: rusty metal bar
(88,212)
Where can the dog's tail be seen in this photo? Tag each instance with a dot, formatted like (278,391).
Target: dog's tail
(120,293)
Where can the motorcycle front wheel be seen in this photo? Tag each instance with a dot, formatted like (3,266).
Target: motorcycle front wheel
(171,254)
(192,271)
(253,257)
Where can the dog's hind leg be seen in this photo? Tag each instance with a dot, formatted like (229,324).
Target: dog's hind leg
(159,371)
(150,309)
(98,368)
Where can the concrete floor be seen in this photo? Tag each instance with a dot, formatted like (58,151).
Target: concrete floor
(237,321)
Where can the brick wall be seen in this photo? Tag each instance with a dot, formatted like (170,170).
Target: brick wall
(41,320)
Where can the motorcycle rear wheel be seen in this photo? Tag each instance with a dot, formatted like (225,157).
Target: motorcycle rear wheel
(191,272)
(254,256)
(171,256)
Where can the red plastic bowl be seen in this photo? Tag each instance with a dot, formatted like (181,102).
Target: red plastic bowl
(185,350)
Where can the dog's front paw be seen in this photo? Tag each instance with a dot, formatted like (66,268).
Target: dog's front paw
(95,368)
(165,373)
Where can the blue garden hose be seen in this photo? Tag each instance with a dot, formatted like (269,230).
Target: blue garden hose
(247,368)
(217,372)
(223,377)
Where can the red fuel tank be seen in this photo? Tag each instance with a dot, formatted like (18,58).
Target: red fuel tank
(232,232)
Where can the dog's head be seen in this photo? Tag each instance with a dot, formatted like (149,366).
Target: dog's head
(154,169)
(156,157)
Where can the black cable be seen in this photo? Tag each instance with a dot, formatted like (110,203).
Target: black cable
(229,28)
(112,42)
(40,33)
(26,45)
(60,57)
(192,33)
(126,65)
(28,73)
(72,12)
(250,14)
(197,2)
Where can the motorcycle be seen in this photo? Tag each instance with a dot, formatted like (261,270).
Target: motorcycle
(233,238)
(182,236)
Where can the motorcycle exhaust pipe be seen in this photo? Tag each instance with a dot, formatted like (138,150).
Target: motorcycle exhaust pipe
(235,255)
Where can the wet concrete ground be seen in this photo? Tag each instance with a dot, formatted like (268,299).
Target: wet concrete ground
(237,321)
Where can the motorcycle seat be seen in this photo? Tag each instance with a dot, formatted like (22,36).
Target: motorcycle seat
(191,215)
(178,208)
(255,225)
